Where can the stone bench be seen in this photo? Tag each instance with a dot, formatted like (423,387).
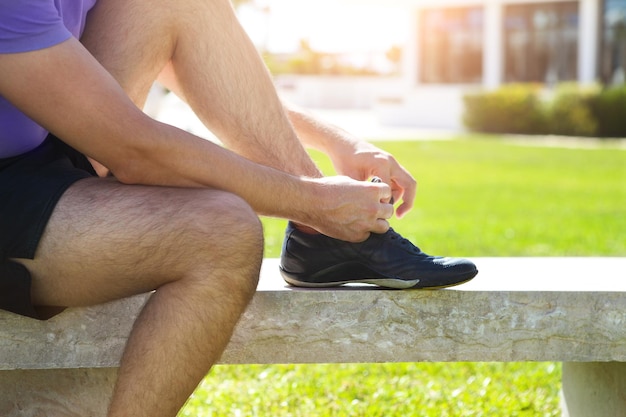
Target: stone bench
(571,310)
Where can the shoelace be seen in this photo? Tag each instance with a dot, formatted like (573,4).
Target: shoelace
(393,235)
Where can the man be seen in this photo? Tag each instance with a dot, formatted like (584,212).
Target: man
(122,204)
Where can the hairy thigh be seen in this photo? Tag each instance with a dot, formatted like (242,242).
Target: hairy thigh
(106,240)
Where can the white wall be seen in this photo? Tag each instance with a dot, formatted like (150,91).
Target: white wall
(337,92)
(439,107)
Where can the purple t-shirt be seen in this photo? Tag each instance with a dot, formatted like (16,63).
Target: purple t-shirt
(29,25)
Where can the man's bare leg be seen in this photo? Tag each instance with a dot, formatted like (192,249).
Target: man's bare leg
(208,59)
(200,249)
(205,56)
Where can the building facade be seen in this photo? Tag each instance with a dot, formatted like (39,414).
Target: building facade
(457,46)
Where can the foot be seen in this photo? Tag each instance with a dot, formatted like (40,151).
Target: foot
(387,260)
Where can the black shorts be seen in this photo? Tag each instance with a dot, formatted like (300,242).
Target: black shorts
(31,184)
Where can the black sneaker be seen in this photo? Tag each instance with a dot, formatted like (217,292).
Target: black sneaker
(387,260)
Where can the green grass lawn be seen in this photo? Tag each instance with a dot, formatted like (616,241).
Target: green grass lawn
(478,197)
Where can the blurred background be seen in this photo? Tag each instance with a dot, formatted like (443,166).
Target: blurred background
(499,66)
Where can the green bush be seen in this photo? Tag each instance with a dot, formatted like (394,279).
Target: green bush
(609,109)
(513,108)
(571,109)
(569,112)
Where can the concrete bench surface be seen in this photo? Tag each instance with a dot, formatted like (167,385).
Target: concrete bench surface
(516,309)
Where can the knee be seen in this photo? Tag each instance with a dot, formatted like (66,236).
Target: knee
(235,226)
(229,238)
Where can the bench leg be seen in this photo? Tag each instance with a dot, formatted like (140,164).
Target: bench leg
(56,392)
(594,389)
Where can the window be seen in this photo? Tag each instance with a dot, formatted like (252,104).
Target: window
(613,56)
(452,45)
(541,42)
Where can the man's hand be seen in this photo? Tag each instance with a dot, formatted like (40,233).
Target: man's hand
(347,209)
(356,158)
(361,160)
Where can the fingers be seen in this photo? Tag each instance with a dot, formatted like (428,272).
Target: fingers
(351,210)
(386,209)
(403,187)
(404,190)
(386,196)
(407,202)
(381,226)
